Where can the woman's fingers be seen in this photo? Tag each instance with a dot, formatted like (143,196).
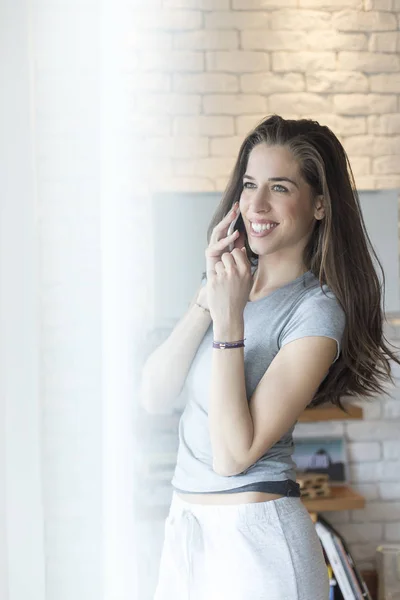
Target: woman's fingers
(228,261)
(216,248)
(220,267)
(222,227)
(239,255)
(232,261)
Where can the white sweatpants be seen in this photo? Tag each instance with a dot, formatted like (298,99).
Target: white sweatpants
(255,551)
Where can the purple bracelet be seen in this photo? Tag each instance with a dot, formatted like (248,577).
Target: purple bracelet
(223,345)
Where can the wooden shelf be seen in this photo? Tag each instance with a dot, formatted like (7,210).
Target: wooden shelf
(330,413)
(342,498)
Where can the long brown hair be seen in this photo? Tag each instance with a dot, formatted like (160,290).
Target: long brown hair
(339,252)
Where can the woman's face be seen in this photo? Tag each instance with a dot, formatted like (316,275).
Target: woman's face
(275,192)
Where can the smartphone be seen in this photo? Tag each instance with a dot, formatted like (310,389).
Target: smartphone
(232,226)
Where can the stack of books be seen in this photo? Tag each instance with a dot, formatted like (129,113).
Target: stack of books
(346,581)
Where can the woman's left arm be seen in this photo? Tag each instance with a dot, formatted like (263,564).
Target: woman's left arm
(230,422)
(242,431)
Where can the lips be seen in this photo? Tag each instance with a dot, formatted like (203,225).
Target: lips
(264,232)
(263,222)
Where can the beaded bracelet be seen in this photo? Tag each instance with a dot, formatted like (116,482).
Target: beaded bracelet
(223,345)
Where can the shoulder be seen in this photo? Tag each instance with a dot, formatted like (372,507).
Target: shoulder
(316,312)
(324,301)
(318,298)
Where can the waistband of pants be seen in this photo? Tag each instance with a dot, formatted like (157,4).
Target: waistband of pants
(254,511)
(287,487)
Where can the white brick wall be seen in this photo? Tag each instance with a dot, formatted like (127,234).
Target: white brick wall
(335,61)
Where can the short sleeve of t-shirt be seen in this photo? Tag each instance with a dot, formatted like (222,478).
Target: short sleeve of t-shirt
(317,315)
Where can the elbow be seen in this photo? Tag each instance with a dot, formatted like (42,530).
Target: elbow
(152,396)
(151,401)
(227,468)
(147,403)
(157,400)
(153,405)
(151,408)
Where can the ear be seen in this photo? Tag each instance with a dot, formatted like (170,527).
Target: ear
(319,208)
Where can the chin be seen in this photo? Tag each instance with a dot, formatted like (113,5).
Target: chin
(260,251)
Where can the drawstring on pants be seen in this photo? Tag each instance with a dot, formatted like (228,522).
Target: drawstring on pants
(188,528)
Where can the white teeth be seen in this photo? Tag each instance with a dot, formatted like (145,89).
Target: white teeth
(258,227)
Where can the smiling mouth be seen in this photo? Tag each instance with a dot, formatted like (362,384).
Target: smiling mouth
(261,231)
(260,226)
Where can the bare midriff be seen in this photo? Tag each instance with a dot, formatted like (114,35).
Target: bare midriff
(234,498)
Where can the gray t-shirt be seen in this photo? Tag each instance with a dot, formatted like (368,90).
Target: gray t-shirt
(298,309)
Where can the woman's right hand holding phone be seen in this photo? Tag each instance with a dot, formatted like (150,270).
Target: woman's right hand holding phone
(219,243)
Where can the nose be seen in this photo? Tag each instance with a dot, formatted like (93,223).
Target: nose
(260,200)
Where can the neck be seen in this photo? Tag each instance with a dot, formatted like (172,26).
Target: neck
(266,281)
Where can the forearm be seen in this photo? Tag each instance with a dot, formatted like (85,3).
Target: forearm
(230,422)
(166,369)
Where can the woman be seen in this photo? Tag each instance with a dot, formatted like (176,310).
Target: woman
(290,318)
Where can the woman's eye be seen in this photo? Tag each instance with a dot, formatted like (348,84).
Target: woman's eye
(277,187)
(281,188)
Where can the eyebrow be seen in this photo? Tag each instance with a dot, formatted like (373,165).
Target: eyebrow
(245,176)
